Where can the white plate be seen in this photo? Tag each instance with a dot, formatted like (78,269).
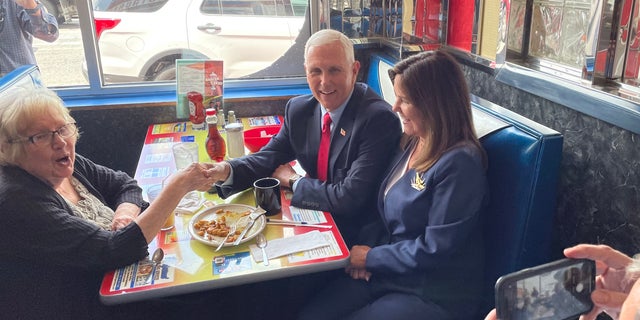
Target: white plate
(210,214)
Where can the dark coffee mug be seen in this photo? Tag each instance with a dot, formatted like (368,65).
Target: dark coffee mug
(267,192)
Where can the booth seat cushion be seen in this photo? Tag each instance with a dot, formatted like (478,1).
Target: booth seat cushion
(27,75)
(524,162)
(524,165)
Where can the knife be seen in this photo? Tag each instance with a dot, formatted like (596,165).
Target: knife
(257,212)
(244,232)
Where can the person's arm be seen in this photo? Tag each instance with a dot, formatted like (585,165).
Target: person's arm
(119,190)
(357,261)
(287,176)
(37,21)
(196,176)
(114,188)
(631,307)
(43,227)
(110,186)
(124,214)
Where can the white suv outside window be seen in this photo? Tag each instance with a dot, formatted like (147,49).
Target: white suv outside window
(139,40)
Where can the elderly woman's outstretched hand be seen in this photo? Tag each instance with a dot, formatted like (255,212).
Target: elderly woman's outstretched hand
(197,176)
(612,282)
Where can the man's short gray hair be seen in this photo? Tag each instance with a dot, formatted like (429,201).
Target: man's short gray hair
(327,36)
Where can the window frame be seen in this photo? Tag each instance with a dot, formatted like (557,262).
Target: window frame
(588,98)
(96,94)
(583,98)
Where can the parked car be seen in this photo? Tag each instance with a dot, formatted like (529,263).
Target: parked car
(139,40)
(63,10)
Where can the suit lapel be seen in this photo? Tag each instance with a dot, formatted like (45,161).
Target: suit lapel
(313,132)
(342,131)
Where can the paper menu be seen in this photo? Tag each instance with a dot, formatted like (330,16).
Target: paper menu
(202,76)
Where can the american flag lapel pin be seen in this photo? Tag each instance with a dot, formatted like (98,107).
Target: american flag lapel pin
(342,132)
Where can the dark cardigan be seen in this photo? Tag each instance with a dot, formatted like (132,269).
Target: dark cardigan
(51,261)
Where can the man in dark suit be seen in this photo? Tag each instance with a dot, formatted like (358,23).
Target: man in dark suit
(364,134)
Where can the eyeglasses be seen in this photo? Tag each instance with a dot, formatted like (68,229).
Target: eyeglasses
(44,138)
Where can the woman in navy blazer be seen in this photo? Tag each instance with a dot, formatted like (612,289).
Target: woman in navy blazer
(428,261)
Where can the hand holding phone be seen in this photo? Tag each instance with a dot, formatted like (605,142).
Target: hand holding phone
(557,290)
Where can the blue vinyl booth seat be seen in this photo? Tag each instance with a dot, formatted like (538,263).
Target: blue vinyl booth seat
(27,75)
(524,162)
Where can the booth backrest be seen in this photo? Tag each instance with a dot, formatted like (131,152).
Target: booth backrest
(524,163)
(27,75)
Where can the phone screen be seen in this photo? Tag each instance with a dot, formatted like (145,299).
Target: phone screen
(558,290)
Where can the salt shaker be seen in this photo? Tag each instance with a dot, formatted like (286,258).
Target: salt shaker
(231,117)
(235,140)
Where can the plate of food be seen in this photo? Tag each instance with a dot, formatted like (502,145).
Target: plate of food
(212,225)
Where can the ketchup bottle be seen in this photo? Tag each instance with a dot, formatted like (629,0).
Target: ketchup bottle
(216,147)
(196,110)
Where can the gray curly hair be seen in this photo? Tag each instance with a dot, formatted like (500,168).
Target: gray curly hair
(18,106)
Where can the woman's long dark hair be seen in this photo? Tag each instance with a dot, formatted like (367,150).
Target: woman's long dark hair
(435,85)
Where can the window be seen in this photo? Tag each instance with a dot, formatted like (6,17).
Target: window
(137,42)
(588,42)
(365,19)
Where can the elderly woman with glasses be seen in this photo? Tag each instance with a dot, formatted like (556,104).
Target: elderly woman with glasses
(66,220)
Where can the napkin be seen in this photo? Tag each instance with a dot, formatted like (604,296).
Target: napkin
(284,246)
(190,203)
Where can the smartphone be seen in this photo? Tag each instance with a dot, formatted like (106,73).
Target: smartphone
(557,290)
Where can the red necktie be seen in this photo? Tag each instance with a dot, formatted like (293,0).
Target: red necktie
(323,151)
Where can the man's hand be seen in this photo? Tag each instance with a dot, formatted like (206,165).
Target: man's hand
(283,173)
(197,176)
(220,171)
(27,4)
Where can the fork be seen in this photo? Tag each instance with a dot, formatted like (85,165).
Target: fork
(232,230)
(253,216)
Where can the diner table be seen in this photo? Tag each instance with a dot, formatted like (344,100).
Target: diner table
(190,266)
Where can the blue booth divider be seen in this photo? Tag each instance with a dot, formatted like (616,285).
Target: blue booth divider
(27,75)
